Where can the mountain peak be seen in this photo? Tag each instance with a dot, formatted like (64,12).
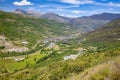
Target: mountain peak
(56,17)
(28,12)
(21,11)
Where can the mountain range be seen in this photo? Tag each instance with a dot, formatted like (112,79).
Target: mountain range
(83,24)
(17,27)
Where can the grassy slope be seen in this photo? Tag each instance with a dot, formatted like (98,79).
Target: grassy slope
(108,33)
(18,27)
(105,71)
(107,41)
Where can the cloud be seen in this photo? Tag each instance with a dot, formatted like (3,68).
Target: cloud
(77,11)
(109,4)
(22,3)
(78,1)
(66,7)
(93,2)
(70,16)
(58,6)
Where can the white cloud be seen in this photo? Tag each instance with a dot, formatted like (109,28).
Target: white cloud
(70,16)
(77,11)
(109,4)
(93,2)
(66,7)
(22,3)
(78,1)
(58,6)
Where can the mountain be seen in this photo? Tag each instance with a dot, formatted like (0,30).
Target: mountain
(107,33)
(93,22)
(105,16)
(86,23)
(34,13)
(16,27)
(20,11)
(82,24)
(28,12)
(56,17)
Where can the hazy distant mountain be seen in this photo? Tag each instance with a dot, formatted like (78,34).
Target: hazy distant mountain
(92,22)
(34,13)
(105,16)
(56,17)
(20,11)
(86,23)
(28,12)
(83,24)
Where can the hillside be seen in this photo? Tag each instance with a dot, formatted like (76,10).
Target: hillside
(109,32)
(105,43)
(21,28)
(99,60)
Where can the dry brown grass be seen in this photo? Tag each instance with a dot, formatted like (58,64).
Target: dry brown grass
(107,71)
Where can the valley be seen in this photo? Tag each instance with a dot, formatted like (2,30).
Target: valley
(34,48)
(50,44)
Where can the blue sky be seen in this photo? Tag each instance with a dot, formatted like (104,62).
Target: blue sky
(70,8)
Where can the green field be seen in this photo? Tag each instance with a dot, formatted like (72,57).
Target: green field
(11,65)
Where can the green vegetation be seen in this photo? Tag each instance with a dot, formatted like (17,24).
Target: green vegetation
(108,33)
(65,69)
(98,61)
(18,27)
(30,60)
(108,70)
(2,47)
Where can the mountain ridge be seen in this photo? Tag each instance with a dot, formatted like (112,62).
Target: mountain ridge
(84,24)
(108,32)
(56,17)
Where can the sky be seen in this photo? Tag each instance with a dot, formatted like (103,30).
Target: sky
(68,8)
